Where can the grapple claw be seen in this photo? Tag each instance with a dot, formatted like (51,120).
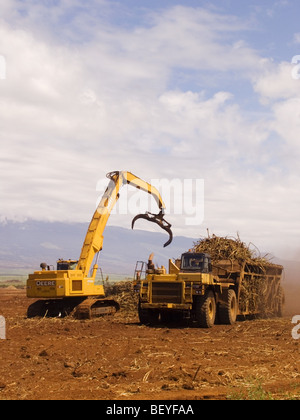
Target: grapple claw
(159,220)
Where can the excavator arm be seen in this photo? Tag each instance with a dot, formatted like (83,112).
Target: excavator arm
(94,238)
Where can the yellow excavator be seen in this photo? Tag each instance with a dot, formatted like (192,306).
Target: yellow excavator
(71,288)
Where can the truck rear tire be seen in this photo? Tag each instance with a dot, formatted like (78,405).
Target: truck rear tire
(205,311)
(228,310)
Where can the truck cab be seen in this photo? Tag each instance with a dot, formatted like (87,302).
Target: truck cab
(195,262)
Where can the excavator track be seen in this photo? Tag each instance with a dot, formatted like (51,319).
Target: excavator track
(53,308)
(79,308)
(93,308)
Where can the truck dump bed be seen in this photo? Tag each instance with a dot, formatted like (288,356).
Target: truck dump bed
(258,285)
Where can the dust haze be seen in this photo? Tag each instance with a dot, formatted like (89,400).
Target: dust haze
(291,285)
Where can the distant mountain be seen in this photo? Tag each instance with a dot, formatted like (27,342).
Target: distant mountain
(24,245)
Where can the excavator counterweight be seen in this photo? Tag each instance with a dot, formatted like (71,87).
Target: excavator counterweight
(71,288)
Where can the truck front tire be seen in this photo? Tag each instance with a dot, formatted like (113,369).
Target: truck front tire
(148,316)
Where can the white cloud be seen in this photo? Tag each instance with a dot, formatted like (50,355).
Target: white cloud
(297,38)
(276,82)
(49,245)
(87,97)
(287,122)
(281,93)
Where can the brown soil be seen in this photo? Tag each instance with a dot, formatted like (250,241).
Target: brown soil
(116,358)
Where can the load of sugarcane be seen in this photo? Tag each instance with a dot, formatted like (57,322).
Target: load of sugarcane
(229,248)
(124,294)
(255,290)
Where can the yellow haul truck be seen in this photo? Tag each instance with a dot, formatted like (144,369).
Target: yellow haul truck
(72,288)
(204,293)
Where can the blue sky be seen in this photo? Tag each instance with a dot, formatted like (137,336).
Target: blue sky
(165,89)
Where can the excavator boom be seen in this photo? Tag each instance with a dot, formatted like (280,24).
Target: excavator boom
(94,238)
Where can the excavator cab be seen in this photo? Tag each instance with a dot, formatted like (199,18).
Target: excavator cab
(66,264)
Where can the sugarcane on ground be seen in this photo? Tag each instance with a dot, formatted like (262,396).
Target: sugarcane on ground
(117,358)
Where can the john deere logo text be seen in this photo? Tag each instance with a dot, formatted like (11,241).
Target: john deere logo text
(45,283)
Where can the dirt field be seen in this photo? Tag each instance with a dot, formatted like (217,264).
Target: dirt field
(117,358)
